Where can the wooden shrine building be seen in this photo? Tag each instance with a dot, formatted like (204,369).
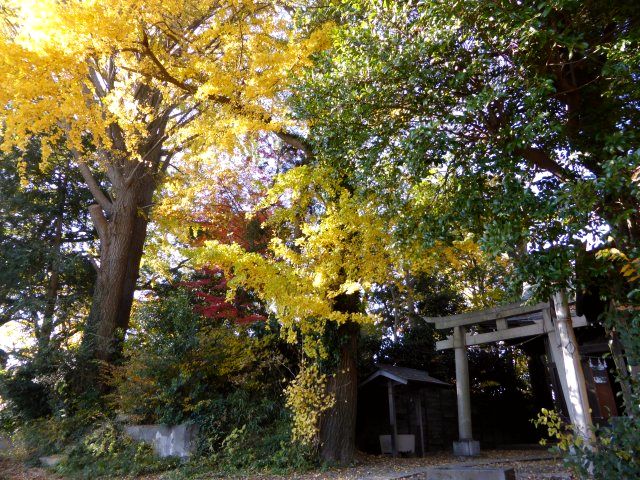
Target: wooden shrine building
(404,410)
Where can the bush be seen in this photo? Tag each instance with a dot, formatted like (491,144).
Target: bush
(91,444)
(44,384)
(104,450)
(245,433)
(180,359)
(53,434)
(226,377)
(615,453)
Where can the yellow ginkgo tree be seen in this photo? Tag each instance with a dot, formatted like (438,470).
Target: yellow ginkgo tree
(129,85)
(332,246)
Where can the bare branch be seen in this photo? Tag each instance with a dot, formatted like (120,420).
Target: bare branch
(93,185)
(97,82)
(100,222)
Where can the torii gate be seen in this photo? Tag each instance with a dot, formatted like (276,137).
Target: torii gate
(511,322)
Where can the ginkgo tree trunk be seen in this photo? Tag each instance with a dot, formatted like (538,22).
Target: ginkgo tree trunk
(129,85)
(121,222)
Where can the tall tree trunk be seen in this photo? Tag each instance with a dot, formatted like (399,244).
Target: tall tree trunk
(51,297)
(338,425)
(122,238)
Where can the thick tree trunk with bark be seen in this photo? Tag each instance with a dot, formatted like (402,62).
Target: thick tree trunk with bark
(122,238)
(121,219)
(338,425)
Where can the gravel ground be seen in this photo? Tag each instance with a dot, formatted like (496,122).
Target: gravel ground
(529,465)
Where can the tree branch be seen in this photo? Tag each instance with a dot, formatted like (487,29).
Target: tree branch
(93,185)
(297,142)
(100,222)
(541,159)
(93,263)
(131,177)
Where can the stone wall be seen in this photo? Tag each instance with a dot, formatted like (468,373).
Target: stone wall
(175,441)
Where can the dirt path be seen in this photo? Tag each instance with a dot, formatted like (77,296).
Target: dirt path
(529,465)
(13,470)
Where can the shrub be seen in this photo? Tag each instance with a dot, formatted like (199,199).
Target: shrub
(615,453)
(179,359)
(243,432)
(104,450)
(53,434)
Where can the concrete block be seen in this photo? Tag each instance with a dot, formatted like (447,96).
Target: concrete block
(471,473)
(406,444)
(52,460)
(466,448)
(176,441)
(5,443)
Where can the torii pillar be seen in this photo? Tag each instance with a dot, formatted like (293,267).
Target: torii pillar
(564,350)
(466,445)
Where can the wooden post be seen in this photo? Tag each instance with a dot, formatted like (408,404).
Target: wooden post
(623,370)
(392,420)
(574,386)
(418,401)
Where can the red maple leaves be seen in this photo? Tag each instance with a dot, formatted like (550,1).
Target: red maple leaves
(211,291)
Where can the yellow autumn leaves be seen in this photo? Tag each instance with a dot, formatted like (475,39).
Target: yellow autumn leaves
(339,243)
(307,397)
(72,70)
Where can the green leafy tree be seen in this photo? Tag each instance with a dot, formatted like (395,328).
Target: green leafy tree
(513,121)
(521,116)
(45,275)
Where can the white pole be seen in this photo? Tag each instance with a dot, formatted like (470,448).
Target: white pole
(462,384)
(574,384)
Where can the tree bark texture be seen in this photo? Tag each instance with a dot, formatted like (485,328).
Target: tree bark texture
(121,247)
(338,425)
(121,219)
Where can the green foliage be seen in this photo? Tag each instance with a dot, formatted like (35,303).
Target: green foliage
(91,445)
(177,360)
(224,377)
(243,433)
(45,385)
(52,434)
(104,451)
(45,281)
(615,453)
(512,121)
(406,339)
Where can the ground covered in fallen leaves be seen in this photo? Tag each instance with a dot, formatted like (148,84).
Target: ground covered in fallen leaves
(528,464)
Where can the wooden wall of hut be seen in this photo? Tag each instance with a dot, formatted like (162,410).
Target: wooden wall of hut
(438,410)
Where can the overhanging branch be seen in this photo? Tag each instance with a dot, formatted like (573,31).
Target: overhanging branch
(541,159)
(297,142)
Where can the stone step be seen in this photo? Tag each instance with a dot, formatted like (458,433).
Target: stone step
(470,473)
